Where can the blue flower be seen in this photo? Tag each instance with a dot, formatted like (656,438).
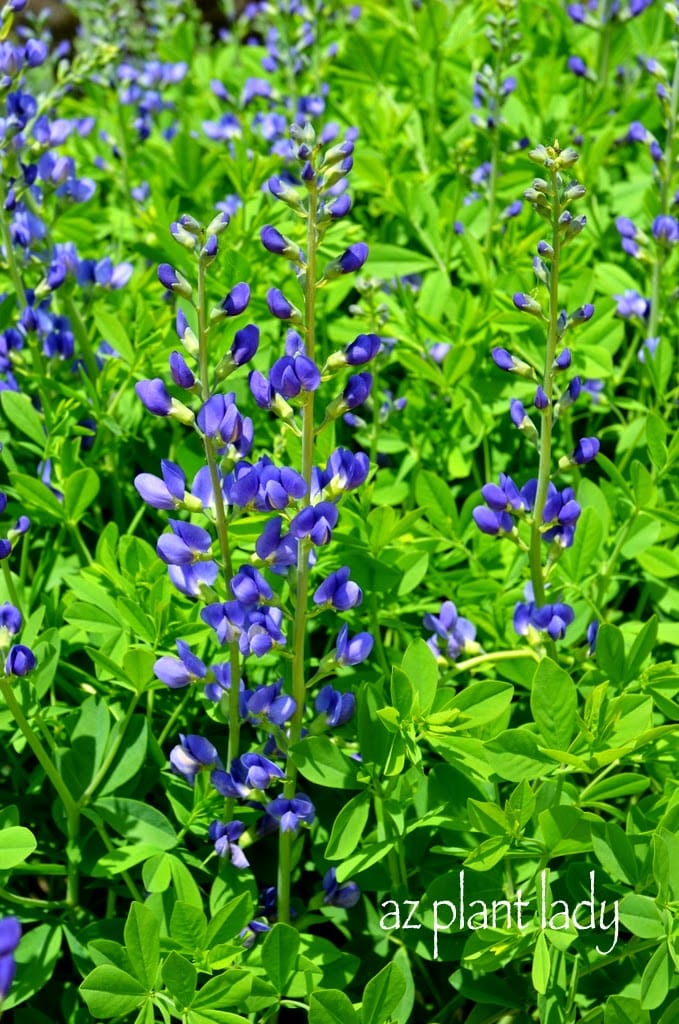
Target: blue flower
(354,650)
(290,814)
(249,772)
(20,661)
(185,545)
(344,895)
(339,591)
(225,837)
(452,634)
(316,522)
(338,707)
(191,755)
(269,703)
(552,619)
(10,934)
(179,672)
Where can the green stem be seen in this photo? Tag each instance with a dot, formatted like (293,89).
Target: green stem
(9,583)
(178,711)
(547,418)
(83,339)
(132,888)
(85,555)
(383,837)
(302,583)
(36,746)
(483,659)
(52,773)
(29,903)
(222,528)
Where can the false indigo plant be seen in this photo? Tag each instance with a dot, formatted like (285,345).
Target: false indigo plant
(492,87)
(249,615)
(550,514)
(656,246)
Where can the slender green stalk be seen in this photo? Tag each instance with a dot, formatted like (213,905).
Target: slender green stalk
(383,836)
(36,746)
(547,418)
(302,582)
(84,345)
(52,773)
(220,521)
(492,656)
(9,583)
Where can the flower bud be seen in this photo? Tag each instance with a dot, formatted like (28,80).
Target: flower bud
(275,242)
(527,304)
(173,281)
(351,260)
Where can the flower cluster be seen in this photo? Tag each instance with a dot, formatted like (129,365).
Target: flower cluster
(39,180)
(452,635)
(251,604)
(549,513)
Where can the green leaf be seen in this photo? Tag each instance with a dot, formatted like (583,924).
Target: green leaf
(616,853)
(235,988)
(641,916)
(610,651)
(435,497)
(553,702)
(660,562)
(581,557)
(180,977)
(566,830)
(127,767)
(382,995)
(319,760)
(137,821)
(142,941)
(39,500)
(644,642)
(212,1016)
(279,954)
(36,957)
(419,664)
(112,330)
(347,830)
(656,432)
(21,416)
(393,261)
(656,979)
(80,490)
(481,702)
(110,992)
(487,818)
(16,844)
(157,874)
(624,1010)
(402,695)
(541,965)
(330,1006)
(487,854)
(229,920)
(520,807)
(515,755)
(188,927)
